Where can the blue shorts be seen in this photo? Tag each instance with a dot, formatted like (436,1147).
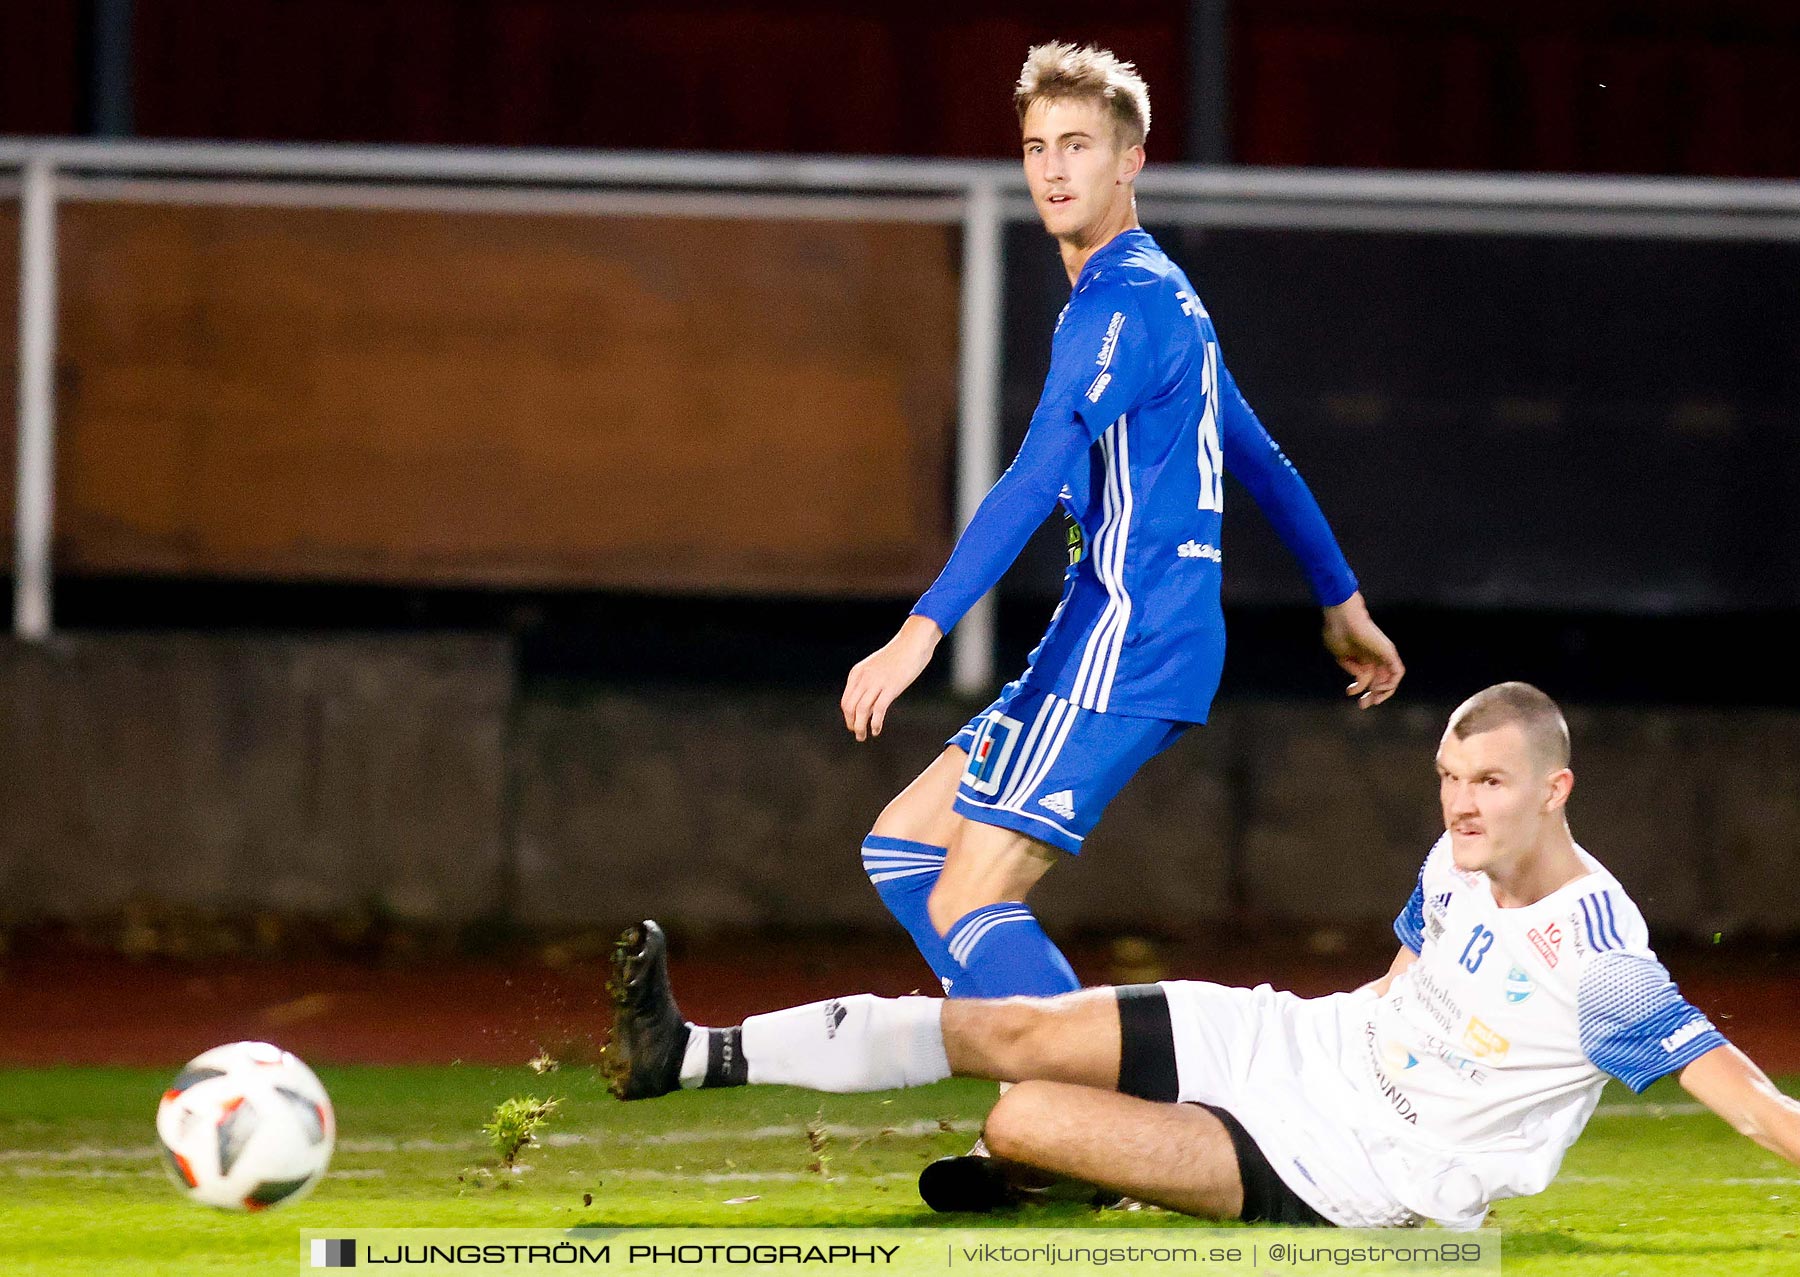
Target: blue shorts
(1042,767)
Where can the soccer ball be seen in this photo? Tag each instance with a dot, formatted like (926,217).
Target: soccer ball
(245,1127)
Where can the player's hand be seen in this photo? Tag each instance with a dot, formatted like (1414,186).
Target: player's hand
(880,677)
(1364,652)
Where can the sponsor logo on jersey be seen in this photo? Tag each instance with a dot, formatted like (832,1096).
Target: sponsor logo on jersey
(1390,1090)
(1062,802)
(1519,985)
(1481,1039)
(1103,360)
(1111,340)
(1190,304)
(1546,942)
(1199,550)
(1685,1034)
(1438,1003)
(1396,1056)
(1463,1066)
(1060,316)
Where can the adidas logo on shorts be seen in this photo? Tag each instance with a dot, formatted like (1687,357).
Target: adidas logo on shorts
(1062,802)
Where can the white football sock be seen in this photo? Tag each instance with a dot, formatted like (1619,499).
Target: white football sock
(693,1060)
(860,1043)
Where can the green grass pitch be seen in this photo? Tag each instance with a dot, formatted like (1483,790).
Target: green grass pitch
(1652,1188)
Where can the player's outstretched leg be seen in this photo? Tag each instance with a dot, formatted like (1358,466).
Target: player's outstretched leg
(855,1043)
(643,1057)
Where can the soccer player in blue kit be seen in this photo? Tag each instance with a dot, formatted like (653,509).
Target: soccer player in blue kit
(1138,423)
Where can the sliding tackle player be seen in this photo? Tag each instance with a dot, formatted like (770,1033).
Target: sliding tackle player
(1458,1078)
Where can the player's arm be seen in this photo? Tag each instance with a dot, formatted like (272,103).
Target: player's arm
(1409,929)
(1099,361)
(1728,1082)
(1351,635)
(1002,524)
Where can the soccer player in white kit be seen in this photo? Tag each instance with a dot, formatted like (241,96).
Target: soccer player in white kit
(1459,1078)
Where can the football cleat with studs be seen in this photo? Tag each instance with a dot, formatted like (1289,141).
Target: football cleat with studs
(643,1057)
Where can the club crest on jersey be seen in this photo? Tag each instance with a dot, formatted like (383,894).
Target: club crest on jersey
(988,754)
(1519,985)
(1547,942)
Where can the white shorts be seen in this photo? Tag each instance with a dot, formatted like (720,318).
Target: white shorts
(1285,1067)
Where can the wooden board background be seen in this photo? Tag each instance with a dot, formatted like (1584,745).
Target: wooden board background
(501,399)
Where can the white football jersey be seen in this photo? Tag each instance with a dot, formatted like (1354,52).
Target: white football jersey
(1492,1048)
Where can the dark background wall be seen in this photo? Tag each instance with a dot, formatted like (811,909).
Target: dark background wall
(1571,461)
(1627,86)
(418,779)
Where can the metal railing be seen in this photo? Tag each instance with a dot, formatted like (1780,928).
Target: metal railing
(981,196)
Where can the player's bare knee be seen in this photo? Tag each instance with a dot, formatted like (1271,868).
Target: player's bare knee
(924,811)
(1024,1111)
(899,819)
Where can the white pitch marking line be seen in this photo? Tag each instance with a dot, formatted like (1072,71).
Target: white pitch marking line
(561,1139)
(1651,1110)
(106,1172)
(908,1130)
(743,1177)
(1789,1181)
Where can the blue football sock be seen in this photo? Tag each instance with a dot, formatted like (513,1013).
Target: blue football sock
(904,873)
(1007,954)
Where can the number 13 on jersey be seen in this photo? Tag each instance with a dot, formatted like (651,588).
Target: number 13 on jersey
(1471,954)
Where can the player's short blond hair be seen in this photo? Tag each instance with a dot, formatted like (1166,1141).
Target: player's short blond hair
(1058,71)
(1539,717)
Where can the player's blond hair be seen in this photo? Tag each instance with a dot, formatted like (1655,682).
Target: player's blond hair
(1057,71)
(1539,717)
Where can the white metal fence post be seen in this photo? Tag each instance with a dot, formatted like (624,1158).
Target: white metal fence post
(34,509)
(978,418)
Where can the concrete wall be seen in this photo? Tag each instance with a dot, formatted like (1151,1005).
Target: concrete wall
(747,809)
(305,774)
(409,774)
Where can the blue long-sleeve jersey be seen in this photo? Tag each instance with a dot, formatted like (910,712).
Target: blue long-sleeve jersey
(1138,422)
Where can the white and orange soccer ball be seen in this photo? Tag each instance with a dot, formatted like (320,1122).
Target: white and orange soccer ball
(246,1126)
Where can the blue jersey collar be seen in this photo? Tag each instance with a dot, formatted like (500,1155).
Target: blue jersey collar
(1117,246)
